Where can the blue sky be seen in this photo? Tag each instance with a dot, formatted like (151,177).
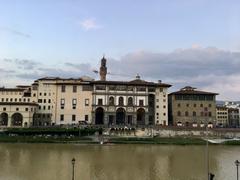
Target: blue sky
(55,32)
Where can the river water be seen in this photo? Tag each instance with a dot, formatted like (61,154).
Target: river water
(115,162)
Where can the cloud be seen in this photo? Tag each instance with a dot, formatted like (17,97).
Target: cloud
(90,24)
(15,32)
(209,69)
(206,68)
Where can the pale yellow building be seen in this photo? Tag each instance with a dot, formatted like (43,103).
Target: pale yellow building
(222,116)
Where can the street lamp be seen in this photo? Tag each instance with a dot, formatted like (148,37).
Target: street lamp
(237,163)
(73,163)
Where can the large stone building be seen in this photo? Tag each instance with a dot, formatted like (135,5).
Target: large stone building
(190,107)
(60,101)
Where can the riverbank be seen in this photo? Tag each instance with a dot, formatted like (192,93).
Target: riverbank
(109,140)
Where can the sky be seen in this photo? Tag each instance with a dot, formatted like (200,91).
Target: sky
(181,42)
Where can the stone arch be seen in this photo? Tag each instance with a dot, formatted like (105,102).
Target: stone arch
(120,116)
(140,116)
(35,119)
(17,119)
(99,116)
(4,119)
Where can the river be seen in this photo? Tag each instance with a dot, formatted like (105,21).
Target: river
(115,162)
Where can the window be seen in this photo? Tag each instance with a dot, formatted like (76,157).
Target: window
(142,89)
(44,101)
(86,117)
(179,105)
(62,117)
(111,101)
(74,88)
(100,87)
(4,109)
(157,106)
(62,103)
(157,100)
(140,102)
(40,94)
(179,113)
(73,117)
(20,99)
(17,109)
(187,105)
(6,99)
(164,114)
(24,100)
(209,114)
(63,88)
(100,102)
(130,101)
(210,105)
(15,99)
(86,102)
(2,99)
(39,100)
(186,113)
(44,107)
(49,101)
(74,103)
(39,107)
(26,109)
(194,105)
(45,94)
(201,105)
(11,99)
(164,106)
(194,113)
(120,101)
(34,95)
(49,107)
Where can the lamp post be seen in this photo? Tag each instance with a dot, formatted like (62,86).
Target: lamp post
(73,163)
(237,163)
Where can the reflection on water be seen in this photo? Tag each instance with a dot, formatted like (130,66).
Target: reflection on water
(116,162)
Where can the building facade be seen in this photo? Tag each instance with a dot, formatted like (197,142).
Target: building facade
(190,107)
(222,116)
(61,101)
(233,117)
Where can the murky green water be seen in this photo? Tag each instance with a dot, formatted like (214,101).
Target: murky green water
(115,162)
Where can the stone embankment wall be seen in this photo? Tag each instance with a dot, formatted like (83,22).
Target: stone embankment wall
(178,132)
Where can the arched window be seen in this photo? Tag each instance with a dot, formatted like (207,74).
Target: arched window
(186,113)
(120,101)
(130,101)
(179,113)
(111,101)
(194,113)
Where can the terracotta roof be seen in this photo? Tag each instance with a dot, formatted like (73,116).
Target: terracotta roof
(191,91)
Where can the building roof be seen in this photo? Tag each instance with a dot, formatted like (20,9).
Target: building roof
(136,82)
(19,103)
(11,89)
(188,90)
